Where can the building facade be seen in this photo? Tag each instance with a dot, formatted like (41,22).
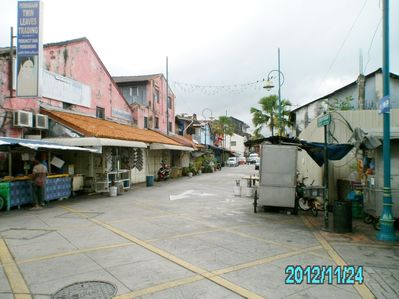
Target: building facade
(82,105)
(364,93)
(74,79)
(146,96)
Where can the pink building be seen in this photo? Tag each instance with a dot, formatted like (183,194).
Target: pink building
(147,97)
(74,78)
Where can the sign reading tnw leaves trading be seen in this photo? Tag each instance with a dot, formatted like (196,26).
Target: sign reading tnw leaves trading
(29,48)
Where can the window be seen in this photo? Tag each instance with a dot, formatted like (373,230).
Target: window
(156,95)
(66,106)
(170,126)
(145,122)
(134,91)
(156,123)
(233,143)
(169,102)
(100,112)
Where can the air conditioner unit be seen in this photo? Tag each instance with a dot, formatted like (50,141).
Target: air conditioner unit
(41,121)
(22,119)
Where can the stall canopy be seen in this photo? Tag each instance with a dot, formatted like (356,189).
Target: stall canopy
(314,149)
(161,146)
(6,142)
(97,143)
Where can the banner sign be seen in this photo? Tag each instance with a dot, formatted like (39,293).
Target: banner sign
(29,49)
(383,105)
(28,28)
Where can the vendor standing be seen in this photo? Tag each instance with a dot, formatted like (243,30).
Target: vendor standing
(39,178)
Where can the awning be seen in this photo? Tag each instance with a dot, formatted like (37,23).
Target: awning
(97,142)
(161,146)
(314,149)
(38,144)
(335,151)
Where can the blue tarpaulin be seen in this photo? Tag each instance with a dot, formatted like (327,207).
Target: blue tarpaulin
(316,151)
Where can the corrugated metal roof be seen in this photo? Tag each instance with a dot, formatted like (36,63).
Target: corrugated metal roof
(161,146)
(36,144)
(182,140)
(142,78)
(96,127)
(97,142)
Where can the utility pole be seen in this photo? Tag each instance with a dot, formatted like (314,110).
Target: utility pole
(11,70)
(387,232)
(167,98)
(280,125)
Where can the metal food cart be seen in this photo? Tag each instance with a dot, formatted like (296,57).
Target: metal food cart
(277,176)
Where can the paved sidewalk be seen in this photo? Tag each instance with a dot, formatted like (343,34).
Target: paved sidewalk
(184,238)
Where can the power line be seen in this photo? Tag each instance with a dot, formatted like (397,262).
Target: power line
(343,43)
(371,44)
(217,89)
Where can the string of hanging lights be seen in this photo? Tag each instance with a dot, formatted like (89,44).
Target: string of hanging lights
(217,89)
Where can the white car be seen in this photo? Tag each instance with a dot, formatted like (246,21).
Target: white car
(252,158)
(232,161)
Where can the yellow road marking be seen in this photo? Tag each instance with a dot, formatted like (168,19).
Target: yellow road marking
(362,289)
(135,219)
(161,287)
(191,279)
(265,260)
(72,252)
(14,275)
(184,235)
(221,281)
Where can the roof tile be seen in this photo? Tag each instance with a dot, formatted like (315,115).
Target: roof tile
(96,127)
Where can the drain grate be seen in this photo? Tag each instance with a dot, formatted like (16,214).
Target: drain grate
(87,290)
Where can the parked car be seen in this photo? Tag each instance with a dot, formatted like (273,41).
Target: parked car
(257,163)
(252,158)
(232,161)
(242,160)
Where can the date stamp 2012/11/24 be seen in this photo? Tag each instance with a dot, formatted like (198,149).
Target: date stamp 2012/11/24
(322,274)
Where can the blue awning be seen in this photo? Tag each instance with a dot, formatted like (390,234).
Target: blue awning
(335,151)
(38,144)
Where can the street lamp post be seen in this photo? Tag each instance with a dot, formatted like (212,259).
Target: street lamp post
(269,85)
(206,122)
(387,231)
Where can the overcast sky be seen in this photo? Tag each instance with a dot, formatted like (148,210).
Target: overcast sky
(225,43)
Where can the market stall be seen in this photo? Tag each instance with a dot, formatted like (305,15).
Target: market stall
(16,182)
(117,163)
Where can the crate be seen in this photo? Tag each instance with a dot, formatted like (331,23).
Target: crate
(313,191)
(5,195)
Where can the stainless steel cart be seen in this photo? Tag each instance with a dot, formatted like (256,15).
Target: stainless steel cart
(277,181)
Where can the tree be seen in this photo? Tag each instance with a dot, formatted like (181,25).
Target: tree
(223,126)
(345,104)
(267,115)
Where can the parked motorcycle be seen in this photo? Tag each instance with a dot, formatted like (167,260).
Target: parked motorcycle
(163,172)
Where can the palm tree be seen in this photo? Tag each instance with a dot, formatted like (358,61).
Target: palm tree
(223,126)
(267,115)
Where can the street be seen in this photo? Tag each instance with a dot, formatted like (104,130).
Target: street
(184,238)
